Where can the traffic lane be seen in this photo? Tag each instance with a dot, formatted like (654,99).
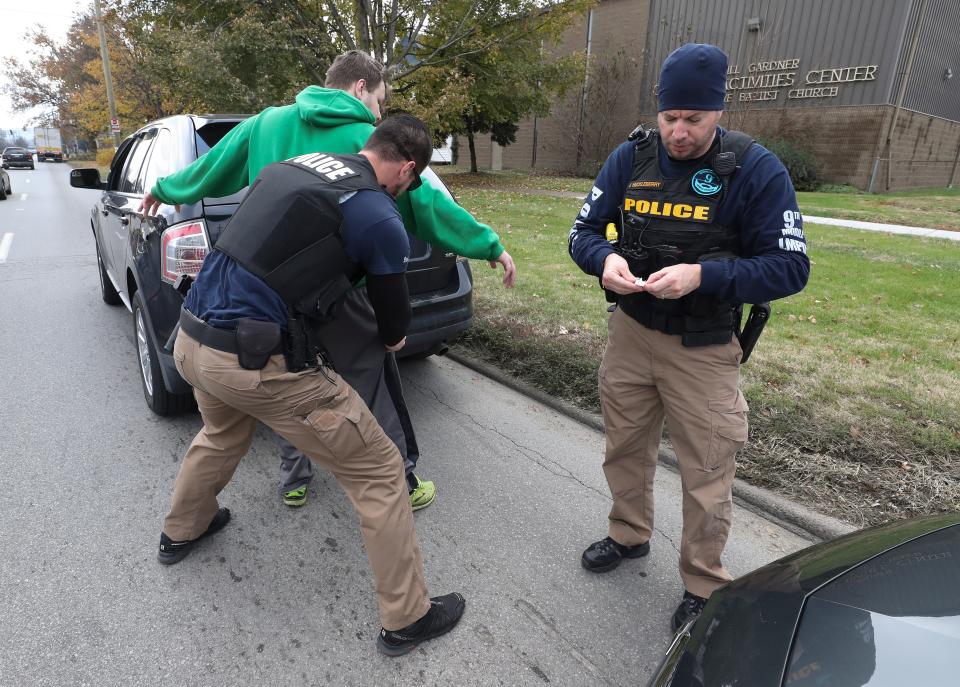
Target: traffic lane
(286,594)
(523,495)
(44,215)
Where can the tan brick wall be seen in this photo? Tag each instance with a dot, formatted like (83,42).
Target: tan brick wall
(845,140)
(924,151)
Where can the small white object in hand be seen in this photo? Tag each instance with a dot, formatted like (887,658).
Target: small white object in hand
(639,282)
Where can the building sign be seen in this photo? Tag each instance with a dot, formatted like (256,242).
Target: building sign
(765,81)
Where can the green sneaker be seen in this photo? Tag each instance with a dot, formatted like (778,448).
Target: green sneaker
(423,494)
(296,497)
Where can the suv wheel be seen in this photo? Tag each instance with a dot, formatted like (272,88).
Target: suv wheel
(3,191)
(160,401)
(107,292)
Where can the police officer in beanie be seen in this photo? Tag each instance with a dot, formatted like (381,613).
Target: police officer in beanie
(707,220)
(252,344)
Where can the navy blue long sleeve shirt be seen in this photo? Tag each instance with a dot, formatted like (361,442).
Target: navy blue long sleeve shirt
(760,202)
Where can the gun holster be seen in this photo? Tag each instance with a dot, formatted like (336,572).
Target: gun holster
(752,329)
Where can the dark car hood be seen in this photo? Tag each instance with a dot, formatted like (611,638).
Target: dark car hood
(908,570)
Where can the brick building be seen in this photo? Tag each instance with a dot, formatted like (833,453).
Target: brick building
(871,87)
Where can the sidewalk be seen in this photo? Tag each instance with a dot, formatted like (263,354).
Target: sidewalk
(886,228)
(925,232)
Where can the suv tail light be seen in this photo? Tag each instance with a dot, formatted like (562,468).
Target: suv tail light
(182,250)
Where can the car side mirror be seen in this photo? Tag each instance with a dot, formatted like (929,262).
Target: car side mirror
(87,177)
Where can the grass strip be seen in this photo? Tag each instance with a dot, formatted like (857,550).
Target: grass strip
(854,387)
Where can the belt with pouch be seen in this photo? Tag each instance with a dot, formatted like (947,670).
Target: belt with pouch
(253,341)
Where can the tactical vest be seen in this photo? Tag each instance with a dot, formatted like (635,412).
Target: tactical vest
(287,231)
(671,221)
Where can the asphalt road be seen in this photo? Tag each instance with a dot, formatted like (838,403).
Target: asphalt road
(284,596)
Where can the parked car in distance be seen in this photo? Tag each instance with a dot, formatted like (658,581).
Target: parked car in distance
(15,156)
(5,188)
(140,258)
(879,607)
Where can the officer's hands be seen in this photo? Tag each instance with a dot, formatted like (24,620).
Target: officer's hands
(672,282)
(150,205)
(509,269)
(617,277)
(397,346)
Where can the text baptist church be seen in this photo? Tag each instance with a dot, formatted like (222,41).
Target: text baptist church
(871,87)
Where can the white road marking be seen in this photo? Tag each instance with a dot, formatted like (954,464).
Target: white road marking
(5,243)
(23,196)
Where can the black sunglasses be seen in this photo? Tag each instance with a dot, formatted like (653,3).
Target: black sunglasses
(417,181)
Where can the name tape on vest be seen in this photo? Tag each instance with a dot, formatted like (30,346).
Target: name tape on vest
(329,167)
(656,208)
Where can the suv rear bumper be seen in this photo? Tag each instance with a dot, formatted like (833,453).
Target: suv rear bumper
(10,164)
(438,319)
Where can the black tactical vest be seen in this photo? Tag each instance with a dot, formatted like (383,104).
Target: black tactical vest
(287,230)
(672,221)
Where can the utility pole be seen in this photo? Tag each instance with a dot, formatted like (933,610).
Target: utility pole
(105,55)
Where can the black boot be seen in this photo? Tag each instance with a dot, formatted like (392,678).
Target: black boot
(689,609)
(606,554)
(445,612)
(175,551)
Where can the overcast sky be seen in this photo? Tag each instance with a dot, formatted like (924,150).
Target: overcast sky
(16,19)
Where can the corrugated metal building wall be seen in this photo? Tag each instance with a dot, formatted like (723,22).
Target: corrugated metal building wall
(934,84)
(819,34)
(833,84)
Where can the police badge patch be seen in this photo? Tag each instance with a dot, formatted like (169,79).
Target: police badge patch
(706,182)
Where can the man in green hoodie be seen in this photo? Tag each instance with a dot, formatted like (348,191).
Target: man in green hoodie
(339,118)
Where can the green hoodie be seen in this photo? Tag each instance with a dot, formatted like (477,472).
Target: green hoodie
(330,121)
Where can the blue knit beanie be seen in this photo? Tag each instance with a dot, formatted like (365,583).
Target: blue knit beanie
(693,77)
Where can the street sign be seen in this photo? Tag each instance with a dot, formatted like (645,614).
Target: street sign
(115,125)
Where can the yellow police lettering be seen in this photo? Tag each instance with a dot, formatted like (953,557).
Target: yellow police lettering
(697,213)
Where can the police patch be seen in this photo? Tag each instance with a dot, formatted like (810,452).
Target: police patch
(706,182)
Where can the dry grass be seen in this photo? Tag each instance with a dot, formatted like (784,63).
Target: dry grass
(854,388)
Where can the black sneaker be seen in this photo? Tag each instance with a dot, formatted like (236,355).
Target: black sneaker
(175,551)
(606,554)
(444,613)
(689,609)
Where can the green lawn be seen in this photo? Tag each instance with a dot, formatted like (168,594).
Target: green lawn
(937,208)
(933,208)
(854,387)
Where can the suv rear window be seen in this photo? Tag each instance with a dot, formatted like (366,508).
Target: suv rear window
(210,134)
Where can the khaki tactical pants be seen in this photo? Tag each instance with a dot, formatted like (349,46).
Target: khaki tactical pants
(647,376)
(325,419)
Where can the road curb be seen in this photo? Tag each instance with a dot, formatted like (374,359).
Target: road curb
(792,515)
